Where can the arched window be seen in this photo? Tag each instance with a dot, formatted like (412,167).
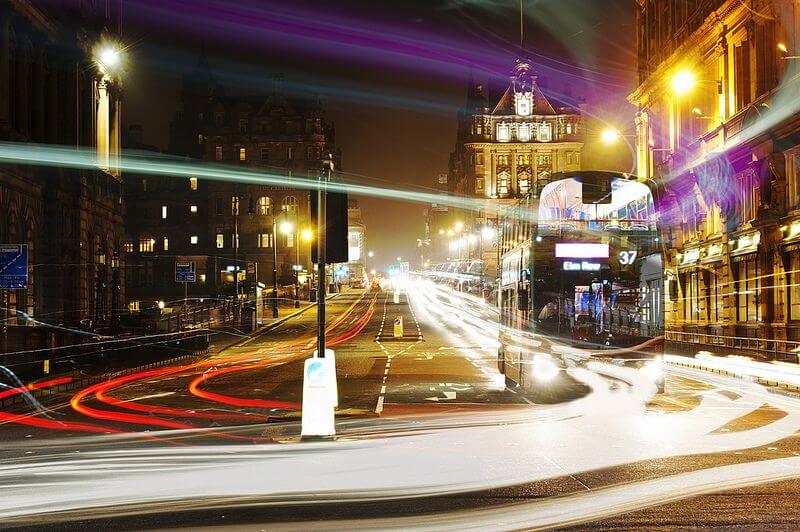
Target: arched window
(264,206)
(289,205)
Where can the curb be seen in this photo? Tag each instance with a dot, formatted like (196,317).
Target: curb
(741,376)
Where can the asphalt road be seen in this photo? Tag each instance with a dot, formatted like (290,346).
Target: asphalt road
(713,438)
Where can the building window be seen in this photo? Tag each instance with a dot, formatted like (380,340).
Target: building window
(691,297)
(794,287)
(289,205)
(524,132)
(166,244)
(309,152)
(144,184)
(288,239)
(128,246)
(479,129)
(218,153)
(192,183)
(219,118)
(569,128)
(749,193)
(193,209)
(264,154)
(747,290)
(163,212)
(200,138)
(289,153)
(242,154)
(234,205)
(220,241)
(524,159)
(479,158)
(202,277)
(793,177)
(147,244)
(218,206)
(545,132)
(194,239)
(502,160)
(264,207)
(264,240)
(242,125)
(503,132)
(523,103)
(570,158)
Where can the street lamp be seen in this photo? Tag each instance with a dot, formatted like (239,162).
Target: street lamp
(308,235)
(610,135)
(683,81)
(100,260)
(288,227)
(108,57)
(459,226)
(399,259)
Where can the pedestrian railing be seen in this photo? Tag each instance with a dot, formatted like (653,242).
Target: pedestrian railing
(690,343)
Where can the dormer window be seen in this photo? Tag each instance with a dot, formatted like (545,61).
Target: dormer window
(523,103)
(503,132)
(524,132)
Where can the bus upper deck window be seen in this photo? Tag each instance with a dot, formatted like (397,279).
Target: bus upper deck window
(596,189)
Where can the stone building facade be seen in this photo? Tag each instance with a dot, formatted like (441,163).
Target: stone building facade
(198,219)
(719,130)
(507,146)
(55,90)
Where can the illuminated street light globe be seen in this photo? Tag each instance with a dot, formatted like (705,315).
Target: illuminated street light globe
(286,227)
(683,81)
(487,232)
(399,259)
(459,226)
(371,254)
(609,136)
(307,235)
(108,57)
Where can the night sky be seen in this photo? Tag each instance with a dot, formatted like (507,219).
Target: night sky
(391,74)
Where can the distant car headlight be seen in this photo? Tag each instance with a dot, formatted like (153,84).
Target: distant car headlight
(652,370)
(544,368)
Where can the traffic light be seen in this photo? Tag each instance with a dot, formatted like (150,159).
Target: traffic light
(335,227)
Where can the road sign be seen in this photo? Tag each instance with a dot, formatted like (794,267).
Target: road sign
(185,271)
(14,266)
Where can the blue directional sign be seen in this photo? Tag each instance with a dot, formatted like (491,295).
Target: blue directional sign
(13,266)
(185,271)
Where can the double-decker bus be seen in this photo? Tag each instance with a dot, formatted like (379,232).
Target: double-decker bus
(581,267)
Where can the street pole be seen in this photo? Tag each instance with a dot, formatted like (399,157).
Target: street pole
(321,277)
(296,264)
(236,257)
(186,302)
(274,265)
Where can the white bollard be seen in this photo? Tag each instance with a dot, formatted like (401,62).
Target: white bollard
(397,296)
(318,409)
(334,386)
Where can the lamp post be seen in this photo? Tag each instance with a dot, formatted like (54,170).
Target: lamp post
(99,304)
(115,289)
(287,228)
(308,236)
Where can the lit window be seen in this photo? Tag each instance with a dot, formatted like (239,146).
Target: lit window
(289,153)
(193,209)
(234,205)
(133,306)
(199,138)
(523,103)
(263,206)
(220,241)
(128,246)
(163,212)
(503,133)
(264,240)
(147,244)
(289,205)
(524,132)
(242,154)
(192,183)
(218,153)
(194,239)
(166,244)
(202,277)
(569,128)
(289,240)
(544,132)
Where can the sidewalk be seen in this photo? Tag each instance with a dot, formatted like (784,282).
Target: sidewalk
(778,374)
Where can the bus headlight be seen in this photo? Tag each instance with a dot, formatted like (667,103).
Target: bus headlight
(652,370)
(544,368)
